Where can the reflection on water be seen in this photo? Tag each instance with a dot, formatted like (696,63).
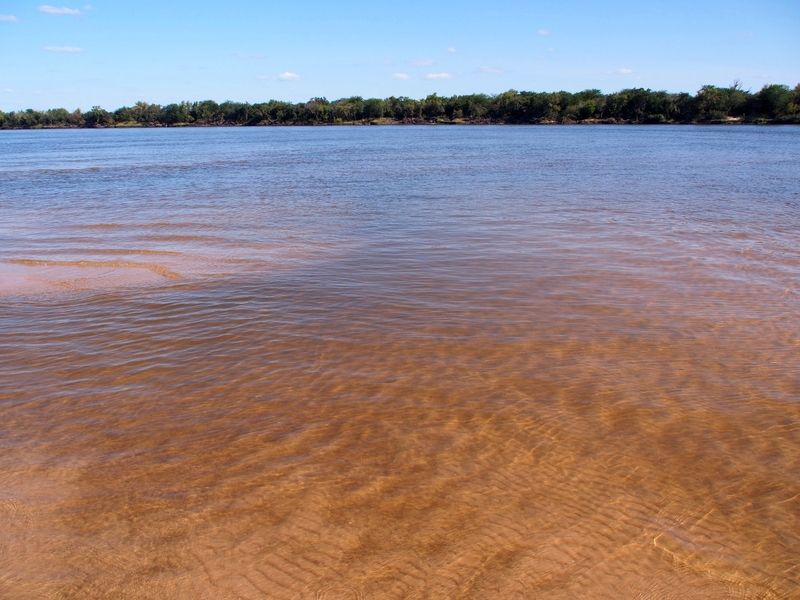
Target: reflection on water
(400,362)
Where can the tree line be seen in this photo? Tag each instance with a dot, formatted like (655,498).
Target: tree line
(711,104)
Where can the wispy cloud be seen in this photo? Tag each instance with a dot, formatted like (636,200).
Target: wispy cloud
(58,10)
(288,76)
(543,32)
(452,50)
(422,62)
(623,71)
(491,70)
(8,19)
(400,76)
(64,49)
(438,76)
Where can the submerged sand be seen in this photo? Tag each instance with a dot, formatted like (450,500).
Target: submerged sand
(302,444)
(400,363)
(32,276)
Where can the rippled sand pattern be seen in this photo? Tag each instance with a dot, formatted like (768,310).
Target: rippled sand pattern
(488,393)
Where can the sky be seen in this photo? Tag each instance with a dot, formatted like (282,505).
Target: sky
(114,53)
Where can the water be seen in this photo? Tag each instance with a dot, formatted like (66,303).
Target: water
(467,362)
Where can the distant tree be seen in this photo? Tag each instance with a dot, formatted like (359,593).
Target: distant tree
(349,109)
(234,113)
(175,114)
(683,108)
(281,112)
(124,114)
(793,108)
(205,112)
(374,108)
(30,118)
(146,114)
(403,108)
(98,117)
(55,117)
(587,104)
(507,106)
(713,103)
(737,100)
(474,106)
(432,107)
(318,110)
(773,101)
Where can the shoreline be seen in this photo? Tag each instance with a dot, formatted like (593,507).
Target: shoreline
(394,123)
(773,104)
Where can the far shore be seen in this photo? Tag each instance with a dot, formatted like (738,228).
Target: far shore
(404,123)
(712,105)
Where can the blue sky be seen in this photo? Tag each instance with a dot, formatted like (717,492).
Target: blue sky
(77,55)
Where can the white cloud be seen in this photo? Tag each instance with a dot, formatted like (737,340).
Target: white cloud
(400,76)
(438,76)
(492,70)
(8,19)
(543,32)
(58,10)
(422,62)
(452,50)
(624,71)
(288,76)
(64,49)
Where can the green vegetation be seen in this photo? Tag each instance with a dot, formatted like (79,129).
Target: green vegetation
(711,104)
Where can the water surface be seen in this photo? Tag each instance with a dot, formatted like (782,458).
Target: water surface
(400,362)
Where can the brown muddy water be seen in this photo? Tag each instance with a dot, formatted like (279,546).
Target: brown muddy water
(326,363)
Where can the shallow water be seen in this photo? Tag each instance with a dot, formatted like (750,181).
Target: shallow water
(400,362)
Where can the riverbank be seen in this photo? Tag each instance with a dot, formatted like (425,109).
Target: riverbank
(773,104)
(390,122)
